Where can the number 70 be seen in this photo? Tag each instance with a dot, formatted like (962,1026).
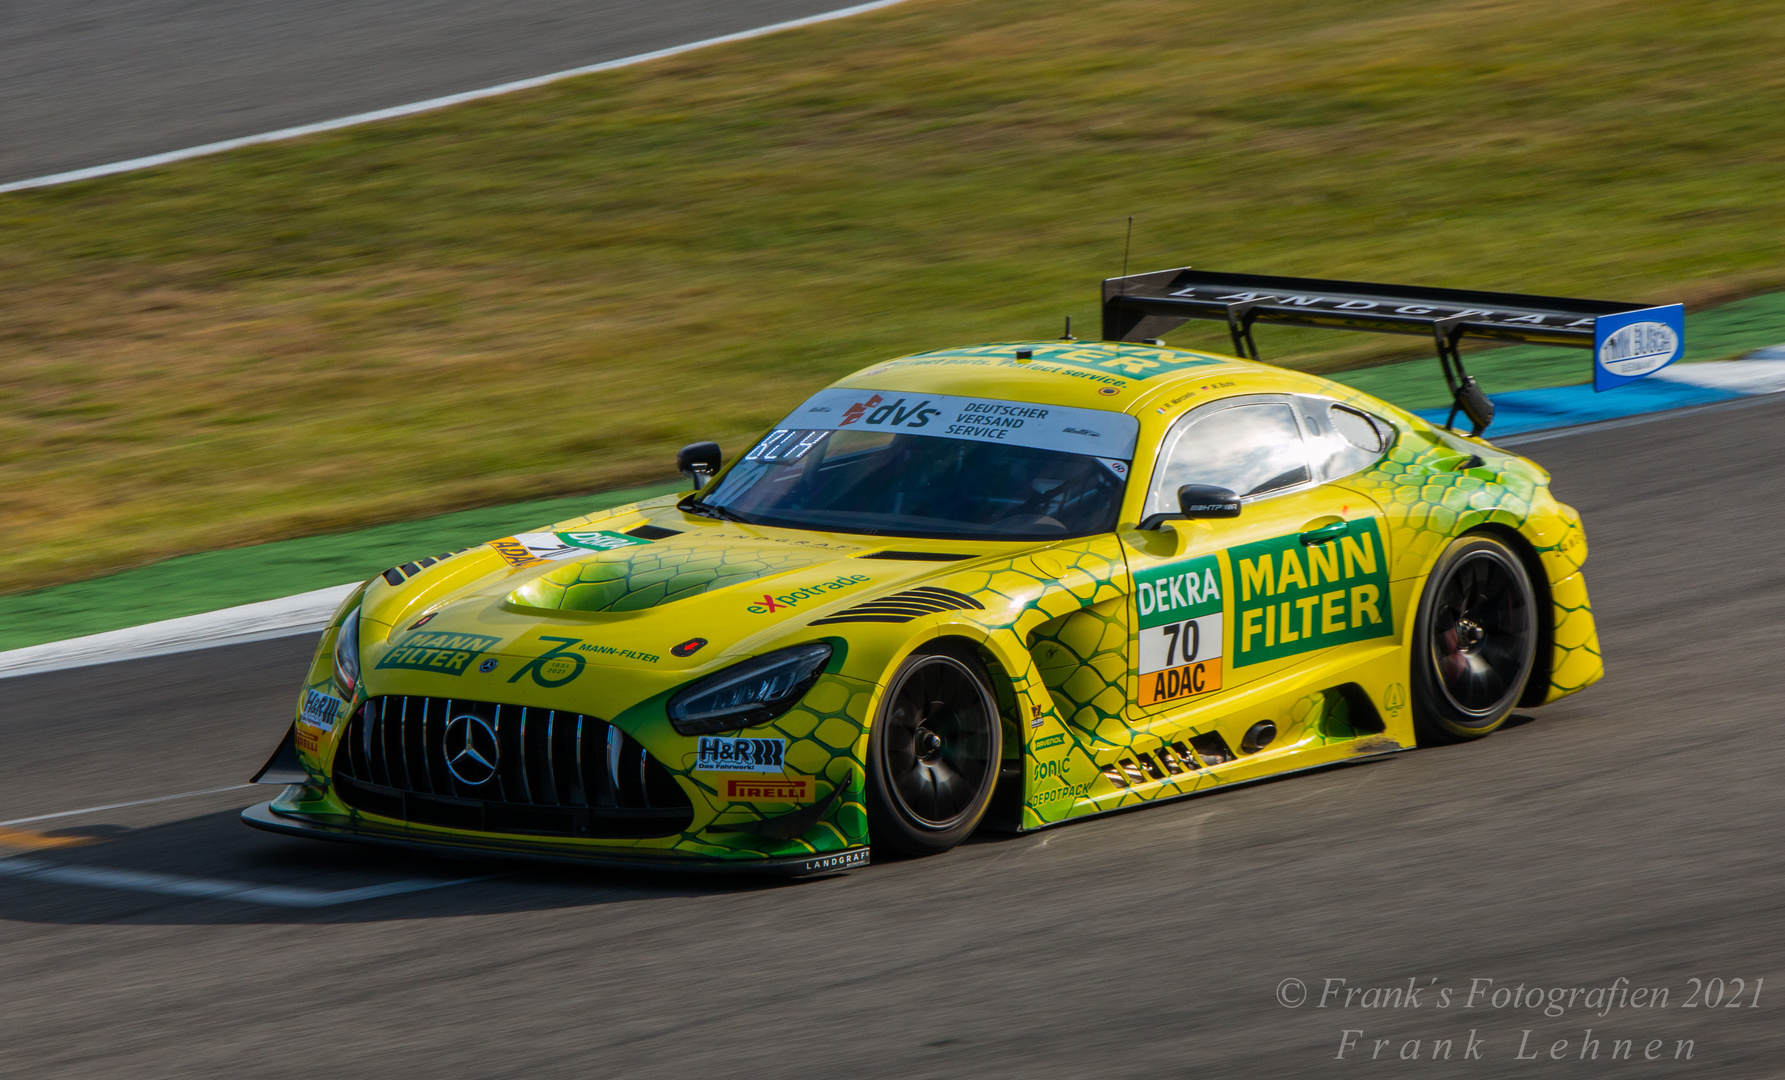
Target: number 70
(1186,634)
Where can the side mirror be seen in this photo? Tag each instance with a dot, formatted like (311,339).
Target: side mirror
(698,462)
(1198,501)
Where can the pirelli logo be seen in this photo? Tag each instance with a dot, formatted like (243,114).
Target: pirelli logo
(779,789)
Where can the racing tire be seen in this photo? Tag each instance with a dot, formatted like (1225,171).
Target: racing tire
(1474,642)
(933,754)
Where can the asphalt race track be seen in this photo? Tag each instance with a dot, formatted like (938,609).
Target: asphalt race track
(87,82)
(1631,832)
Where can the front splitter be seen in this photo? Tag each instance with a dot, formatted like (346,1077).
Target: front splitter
(263,816)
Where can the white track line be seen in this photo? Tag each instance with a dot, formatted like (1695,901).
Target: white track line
(304,613)
(211,888)
(429,105)
(121,805)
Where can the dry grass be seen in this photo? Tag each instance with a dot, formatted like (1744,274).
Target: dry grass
(547,293)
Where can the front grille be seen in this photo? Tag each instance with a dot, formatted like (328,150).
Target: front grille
(536,771)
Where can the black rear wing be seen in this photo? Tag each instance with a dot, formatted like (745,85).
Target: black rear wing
(1629,340)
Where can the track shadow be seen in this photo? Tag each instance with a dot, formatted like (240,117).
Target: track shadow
(217,847)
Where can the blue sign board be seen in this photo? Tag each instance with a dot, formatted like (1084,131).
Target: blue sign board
(1632,344)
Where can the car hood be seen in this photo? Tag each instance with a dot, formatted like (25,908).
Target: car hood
(684,597)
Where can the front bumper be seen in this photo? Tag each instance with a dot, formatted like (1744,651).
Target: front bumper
(265,816)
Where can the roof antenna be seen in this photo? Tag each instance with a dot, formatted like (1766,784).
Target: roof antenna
(1067,336)
(1127,246)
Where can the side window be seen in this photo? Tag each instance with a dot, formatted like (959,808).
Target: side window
(1353,441)
(1251,449)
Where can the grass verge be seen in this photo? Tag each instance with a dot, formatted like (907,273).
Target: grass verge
(189,584)
(547,293)
(210,580)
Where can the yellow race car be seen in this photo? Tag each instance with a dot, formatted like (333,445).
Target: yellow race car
(1007,585)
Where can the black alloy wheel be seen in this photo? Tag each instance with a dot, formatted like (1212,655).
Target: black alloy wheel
(1475,643)
(933,754)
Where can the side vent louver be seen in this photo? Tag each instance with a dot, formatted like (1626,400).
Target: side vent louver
(903,607)
(1173,759)
(1212,748)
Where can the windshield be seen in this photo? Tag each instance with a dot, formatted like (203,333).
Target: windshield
(895,484)
(901,464)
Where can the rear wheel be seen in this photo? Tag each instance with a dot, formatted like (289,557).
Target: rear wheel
(1475,641)
(933,754)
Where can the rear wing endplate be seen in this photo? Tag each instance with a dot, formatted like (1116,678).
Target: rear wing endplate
(1628,341)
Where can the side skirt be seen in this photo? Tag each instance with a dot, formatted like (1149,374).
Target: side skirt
(1229,775)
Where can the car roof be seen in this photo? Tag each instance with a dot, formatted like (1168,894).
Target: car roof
(1116,376)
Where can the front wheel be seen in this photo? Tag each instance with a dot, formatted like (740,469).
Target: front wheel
(933,754)
(1475,641)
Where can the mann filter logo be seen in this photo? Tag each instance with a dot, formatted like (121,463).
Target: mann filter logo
(1180,610)
(719,754)
(1295,598)
(1638,349)
(780,789)
(438,651)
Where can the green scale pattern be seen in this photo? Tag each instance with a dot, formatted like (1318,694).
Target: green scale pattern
(1427,501)
(827,737)
(632,579)
(1068,608)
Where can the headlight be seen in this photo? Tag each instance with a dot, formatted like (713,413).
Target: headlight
(347,655)
(753,692)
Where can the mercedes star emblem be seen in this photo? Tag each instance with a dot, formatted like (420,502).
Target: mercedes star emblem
(471,749)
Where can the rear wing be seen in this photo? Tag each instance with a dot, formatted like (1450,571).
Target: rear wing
(1628,341)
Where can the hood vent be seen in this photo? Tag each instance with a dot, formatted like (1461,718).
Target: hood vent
(917,556)
(903,607)
(397,574)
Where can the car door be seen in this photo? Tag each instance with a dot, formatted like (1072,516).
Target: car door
(1221,604)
